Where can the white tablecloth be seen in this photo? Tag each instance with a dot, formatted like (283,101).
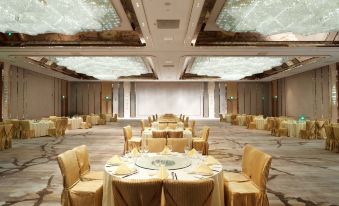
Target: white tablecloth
(260,123)
(182,174)
(241,119)
(294,128)
(41,128)
(95,119)
(75,122)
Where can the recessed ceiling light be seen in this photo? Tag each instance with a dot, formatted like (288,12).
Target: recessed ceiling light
(137,4)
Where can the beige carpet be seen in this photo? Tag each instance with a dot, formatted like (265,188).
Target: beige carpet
(302,172)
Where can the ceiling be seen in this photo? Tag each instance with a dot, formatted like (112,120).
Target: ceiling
(171,36)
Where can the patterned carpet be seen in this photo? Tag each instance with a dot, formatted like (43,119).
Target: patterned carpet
(302,172)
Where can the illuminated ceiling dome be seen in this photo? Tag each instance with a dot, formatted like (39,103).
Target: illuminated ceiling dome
(270,17)
(57,16)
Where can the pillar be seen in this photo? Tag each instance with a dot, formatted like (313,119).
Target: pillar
(127,99)
(211,86)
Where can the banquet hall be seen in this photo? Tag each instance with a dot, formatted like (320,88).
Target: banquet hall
(169,102)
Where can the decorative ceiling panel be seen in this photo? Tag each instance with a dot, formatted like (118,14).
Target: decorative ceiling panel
(269,17)
(104,68)
(57,16)
(233,68)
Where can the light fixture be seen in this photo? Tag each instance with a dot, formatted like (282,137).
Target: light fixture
(233,68)
(63,97)
(275,97)
(232,98)
(57,16)
(301,118)
(270,17)
(104,68)
(107,98)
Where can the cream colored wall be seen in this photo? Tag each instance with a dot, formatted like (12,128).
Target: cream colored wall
(33,95)
(305,94)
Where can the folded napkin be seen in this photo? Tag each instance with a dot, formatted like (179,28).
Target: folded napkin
(203,169)
(210,160)
(124,170)
(115,160)
(163,172)
(165,151)
(192,152)
(135,152)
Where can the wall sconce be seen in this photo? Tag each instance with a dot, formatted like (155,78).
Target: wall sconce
(232,98)
(107,98)
(262,98)
(63,97)
(301,118)
(275,97)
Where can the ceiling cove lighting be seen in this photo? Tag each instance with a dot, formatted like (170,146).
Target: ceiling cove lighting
(57,16)
(268,17)
(233,68)
(104,68)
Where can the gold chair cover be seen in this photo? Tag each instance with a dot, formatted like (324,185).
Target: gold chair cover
(175,134)
(320,129)
(8,135)
(159,134)
(114,118)
(137,192)
(162,126)
(187,193)
(58,127)
(201,144)
(234,120)
(130,141)
(150,120)
(155,145)
(336,139)
(330,140)
(192,128)
(102,120)
(2,137)
(76,192)
(84,165)
(222,118)
(186,122)
(16,127)
(309,132)
(89,121)
(26,131)
(178,144)
(255,166)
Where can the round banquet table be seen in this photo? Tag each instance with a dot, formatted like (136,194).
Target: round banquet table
(41,128)
(75,122)
(95,119)
(293,128)
(260,123)
(182,174)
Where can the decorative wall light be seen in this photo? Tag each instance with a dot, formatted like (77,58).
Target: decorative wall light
(107,98)
(232,98)
(301,118)
(63,97)
(275,97)
(262,98)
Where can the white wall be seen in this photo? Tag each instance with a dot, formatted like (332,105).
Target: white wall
(169,97)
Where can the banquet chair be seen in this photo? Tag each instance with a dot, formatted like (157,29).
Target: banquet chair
(172,125)
(222,118)
(234,120)
(162,126)
(137,192)
(278,130)
(150,120)
(155,145)
(320,129)
(249,187)
(84,165)
(2,137)
(87,123)
(308,133)
(175,134)
(159,134)
(336,139)
(130,141)
(201,143)
(102,120)
(192,128)
(64,123)
(187,193)
(178,144)
(26,131)
(16,127)
(186,122)
(154,118)
(114,118)
(143,126)
(330,140)
(8,135)
(269,123)
(75,191)
(183,118)
(58,127)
